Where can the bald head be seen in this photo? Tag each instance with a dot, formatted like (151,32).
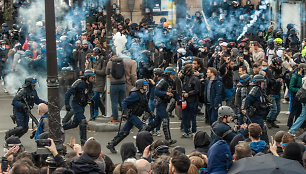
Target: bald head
(42,108)
(143,166)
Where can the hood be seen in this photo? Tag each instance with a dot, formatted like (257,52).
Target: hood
(258,146)
(220,158)
(201,140)
(143,139)
(85,164)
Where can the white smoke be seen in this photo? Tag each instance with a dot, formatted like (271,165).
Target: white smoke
(119,42)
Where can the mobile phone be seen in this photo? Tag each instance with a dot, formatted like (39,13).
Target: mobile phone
(43,142)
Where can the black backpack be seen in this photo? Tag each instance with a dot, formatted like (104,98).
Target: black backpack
(118,69)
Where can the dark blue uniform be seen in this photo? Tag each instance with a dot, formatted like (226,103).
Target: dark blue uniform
(25,97)
(82,93)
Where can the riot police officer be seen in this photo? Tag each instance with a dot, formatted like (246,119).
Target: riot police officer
(241,93)
(163,95)
(22,103)
(220,130)
(133,107)
(256,105)
(82,93)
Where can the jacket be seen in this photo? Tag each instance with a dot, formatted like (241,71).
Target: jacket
(81,91)
(42,126)
(215,92)
(220,158)
(28,95)
(295,83)
(134,102)
(274,87)
(85,164)
(227,75)
(99,67)
(130,74)
(108,71)
(260,146)
(191,85)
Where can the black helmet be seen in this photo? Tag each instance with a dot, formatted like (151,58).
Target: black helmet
(162,20)
(244,79)
(277,61)
(158,71)
(139,84)
(88,73)
(30,81)
(16,26)
(97,50)
(169,70)
(258,78)
(225,111)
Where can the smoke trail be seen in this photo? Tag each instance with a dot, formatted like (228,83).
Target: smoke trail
(254,17)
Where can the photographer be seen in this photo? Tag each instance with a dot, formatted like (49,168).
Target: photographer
(221,130)
(43,123)
(12,148)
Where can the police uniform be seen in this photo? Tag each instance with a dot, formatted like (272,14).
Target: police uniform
(24,100)
(134,105)
(82,94)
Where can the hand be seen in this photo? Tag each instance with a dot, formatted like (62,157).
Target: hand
(196,73)
(280,80)
(71,142)
(273,148)
(169,94)
(243,111)
(25,107)
(236,128)
(263,73)
(244,126)
(185,95)
(146,152)
(152,81)
(12,151)
(77,148)
(68,108)
(52,147)
(205,159)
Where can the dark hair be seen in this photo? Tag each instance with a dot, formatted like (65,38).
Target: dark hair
(200,62)
(109,165)
(255,130)
(128,168)
(70,157)
(161,165)
(62,170)
(128,150)
(255,65)
(21,168)
(242,150)
(92,148)
(180,162)
(244,68)
(287,138)
(213,70)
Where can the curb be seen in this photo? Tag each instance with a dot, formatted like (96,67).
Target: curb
(101,125)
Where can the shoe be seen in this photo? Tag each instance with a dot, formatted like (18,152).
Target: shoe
(170,115)
(285,102)
(123,119)
(158,134)
(293,134)
(5,91)
(185,135)
(153,133)
(269,124)
(171,142)
(114,121)
(111,148)
(273,124)
(287,113)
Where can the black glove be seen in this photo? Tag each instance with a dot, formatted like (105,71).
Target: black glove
(152,115)
(25,107)
(68,108)
(124,114)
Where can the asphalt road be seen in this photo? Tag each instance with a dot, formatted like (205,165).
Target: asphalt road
(103,137)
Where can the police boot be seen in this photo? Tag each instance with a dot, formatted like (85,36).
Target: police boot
(83,131)
(67,117)
(15,131)
(166,129)
(70,124)
(269,124)
(152,126)
(273,124)
(117,139)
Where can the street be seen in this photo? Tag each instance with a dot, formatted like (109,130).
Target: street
(103,137)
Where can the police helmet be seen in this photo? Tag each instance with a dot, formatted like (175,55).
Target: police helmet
(88,73)
(220,39)
(277,61)
(158,71)
(162,20)
(18,46)
(139,84)
(16,26)
(97,50)
(225,111)
(258,78)
(169,70)
(30,81)
(244,78)
(181,51)
(4,25)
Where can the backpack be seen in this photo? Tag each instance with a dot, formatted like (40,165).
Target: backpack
(118,69)
(301,95)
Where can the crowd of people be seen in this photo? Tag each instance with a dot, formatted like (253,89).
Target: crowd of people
(154,70)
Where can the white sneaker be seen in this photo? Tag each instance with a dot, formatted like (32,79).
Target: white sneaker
(288,112)
(158,134)
(285,102)
(5,90)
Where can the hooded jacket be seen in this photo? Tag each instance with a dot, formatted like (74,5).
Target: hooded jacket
(219,158)
(85,164)
(215,92)
(201,142)
(260,146)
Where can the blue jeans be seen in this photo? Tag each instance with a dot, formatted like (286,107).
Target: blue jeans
(152,108)
(22,119)
(161,113)
(300,120)
(117,94)
(131,121)
(295,110)
(189,115)
(212,113)
(95,105)
(275,109)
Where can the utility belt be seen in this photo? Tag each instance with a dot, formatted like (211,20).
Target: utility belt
(261,109)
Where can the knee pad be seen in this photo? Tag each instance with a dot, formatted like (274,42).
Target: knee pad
(166,122)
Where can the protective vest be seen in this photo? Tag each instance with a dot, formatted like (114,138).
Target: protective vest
(83,93)
(140,106)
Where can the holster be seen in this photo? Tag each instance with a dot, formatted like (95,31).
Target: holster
(13,117)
